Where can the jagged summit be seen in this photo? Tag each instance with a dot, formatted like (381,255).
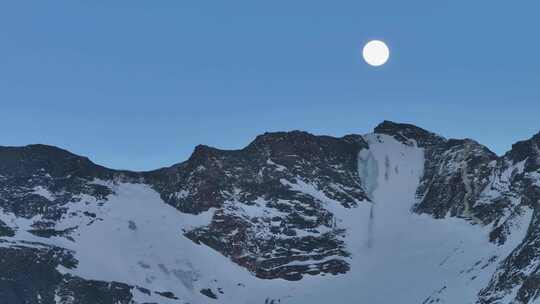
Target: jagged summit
(261,164)
(405,132)
(279,142)
(528,151)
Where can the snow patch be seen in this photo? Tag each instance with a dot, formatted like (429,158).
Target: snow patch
(44,192)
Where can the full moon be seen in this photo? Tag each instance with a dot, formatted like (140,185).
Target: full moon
(376,53)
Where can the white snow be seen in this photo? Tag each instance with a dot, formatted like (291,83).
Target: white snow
(39,190)
(414,255)
(139,241)
(181,194)
(411,256)
(368,171)
(278,166)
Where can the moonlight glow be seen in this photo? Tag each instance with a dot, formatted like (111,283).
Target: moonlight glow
(376,53)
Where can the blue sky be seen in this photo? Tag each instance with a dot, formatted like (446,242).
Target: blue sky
(137,84)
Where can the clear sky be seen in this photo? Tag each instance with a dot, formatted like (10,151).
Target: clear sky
(137,84)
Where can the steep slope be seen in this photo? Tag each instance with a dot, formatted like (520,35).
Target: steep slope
(398,215)
(517,178)
(259,222)
(37,184)
(472,192)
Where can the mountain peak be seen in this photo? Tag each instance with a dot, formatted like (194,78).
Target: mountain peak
(404,132)
(302,143)
(28,160)
(204,152)
(527,150)
(270,138)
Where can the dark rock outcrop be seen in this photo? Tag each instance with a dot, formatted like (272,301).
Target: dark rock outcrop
(263,176)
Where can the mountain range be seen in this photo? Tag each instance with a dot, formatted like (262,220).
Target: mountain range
(399,215)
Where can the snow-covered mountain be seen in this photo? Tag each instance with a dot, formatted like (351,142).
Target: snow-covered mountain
(400,215)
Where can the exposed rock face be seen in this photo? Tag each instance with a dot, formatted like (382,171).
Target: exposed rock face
(464,179)
(269,213)
(36,183)
(520,271)
(455,171)
(39,179)
(30,275)
(210,176)
(259,219)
